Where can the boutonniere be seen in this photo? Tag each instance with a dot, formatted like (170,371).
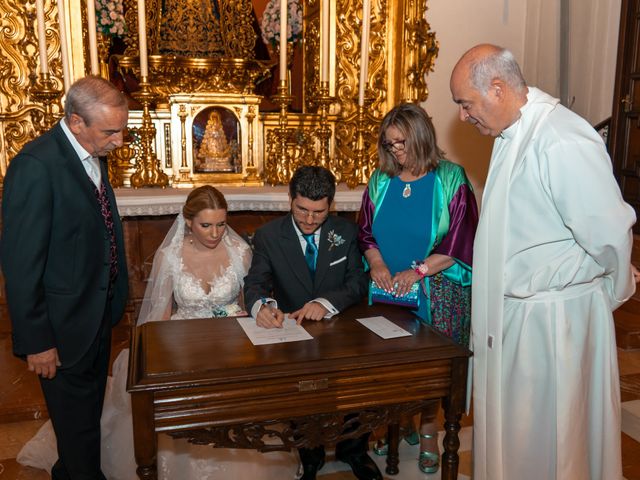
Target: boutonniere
(335,240)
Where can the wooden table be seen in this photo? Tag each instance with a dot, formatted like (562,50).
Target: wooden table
(204,380)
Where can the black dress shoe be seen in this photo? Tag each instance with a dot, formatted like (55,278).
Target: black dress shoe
(363,467)
(309,470)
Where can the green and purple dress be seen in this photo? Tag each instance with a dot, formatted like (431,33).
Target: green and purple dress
(408,221)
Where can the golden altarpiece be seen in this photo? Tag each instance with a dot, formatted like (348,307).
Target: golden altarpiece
(200,120)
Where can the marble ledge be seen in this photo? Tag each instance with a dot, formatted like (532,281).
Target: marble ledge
(168,201)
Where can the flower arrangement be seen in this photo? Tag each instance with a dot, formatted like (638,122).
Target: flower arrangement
(110,18)
(270,24)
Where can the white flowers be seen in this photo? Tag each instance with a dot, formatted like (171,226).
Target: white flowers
(334,239)
(229,310)
(270,25)
(110,17)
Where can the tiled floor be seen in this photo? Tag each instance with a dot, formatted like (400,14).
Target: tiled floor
(14,434)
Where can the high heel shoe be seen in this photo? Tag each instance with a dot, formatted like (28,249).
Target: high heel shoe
(381,447)
(428,462)
(413,438)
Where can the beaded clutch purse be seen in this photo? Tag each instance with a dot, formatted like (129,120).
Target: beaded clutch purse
(379,295)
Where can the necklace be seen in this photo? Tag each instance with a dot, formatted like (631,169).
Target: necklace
(406,193)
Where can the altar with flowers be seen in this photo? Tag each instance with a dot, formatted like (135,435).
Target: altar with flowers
(314,96)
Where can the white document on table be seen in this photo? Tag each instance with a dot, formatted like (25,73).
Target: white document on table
(290,332)
(383,328)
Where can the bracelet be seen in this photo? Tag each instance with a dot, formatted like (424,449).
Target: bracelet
(421,268)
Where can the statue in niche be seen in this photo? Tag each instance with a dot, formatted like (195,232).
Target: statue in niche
(217,150)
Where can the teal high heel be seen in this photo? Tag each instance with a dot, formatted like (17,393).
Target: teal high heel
(381,447)
(413,438)
(428,462)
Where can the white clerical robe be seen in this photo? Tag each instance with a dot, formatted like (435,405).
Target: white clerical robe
(551,262)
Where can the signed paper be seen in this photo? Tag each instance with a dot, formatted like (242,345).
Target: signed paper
(290,332)
(383,327)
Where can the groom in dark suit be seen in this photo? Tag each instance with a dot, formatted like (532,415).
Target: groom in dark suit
(307,263)
(63,261)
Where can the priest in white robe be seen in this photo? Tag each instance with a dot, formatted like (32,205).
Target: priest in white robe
(551,263)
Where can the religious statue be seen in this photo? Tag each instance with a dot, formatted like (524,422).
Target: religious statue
(191,29)
(216,153)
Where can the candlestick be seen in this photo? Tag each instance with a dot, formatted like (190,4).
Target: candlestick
(148,171)
(283,40)
(142,39)
(324,41)
(66,75)
(42,42)
(364,49)
(93,39)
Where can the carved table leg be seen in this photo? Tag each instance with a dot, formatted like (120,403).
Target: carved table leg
(393,458)
(145,440)
(451,444)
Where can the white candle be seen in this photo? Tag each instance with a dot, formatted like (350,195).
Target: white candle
(283,40)
(63,47)
(364,49)
(324,42)
(93,39)
(42,42)
(142,39)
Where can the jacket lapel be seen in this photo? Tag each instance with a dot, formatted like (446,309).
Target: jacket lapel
(325,256)
(292,251)
(76,170)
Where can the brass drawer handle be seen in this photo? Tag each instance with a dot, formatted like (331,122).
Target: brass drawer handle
(311,385)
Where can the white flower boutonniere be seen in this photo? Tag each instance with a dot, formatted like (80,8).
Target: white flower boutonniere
(335,240)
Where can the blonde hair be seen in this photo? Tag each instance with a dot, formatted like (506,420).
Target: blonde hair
(203,198)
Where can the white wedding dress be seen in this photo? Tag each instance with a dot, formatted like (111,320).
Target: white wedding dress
(192,297)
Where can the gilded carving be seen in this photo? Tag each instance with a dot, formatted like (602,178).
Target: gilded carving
(171,75)
(191,29)
(22,116)
(120,166)
(237,29)
(311,35)
(207,46)
(201,46)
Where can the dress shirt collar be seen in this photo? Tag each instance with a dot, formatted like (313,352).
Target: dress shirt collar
(303,241)
(316,234)
(90,163)
(79,149)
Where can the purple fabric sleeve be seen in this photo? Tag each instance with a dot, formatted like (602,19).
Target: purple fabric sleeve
(365,223)
(463,220)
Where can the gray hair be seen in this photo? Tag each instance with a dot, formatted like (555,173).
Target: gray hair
(87,95)
(501,64)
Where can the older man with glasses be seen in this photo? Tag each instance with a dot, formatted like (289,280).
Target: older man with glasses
(307,263)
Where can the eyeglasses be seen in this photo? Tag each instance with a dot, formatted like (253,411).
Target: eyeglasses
(304,213)
(391,147)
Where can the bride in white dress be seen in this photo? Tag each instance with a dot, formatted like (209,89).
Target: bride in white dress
(197,272)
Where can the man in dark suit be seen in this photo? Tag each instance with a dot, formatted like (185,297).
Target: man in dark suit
(63,261)
(307,263)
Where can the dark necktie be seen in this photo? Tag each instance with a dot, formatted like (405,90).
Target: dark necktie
(105,209)
(311,253)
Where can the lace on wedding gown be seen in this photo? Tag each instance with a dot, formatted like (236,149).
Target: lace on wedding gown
(199,287)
